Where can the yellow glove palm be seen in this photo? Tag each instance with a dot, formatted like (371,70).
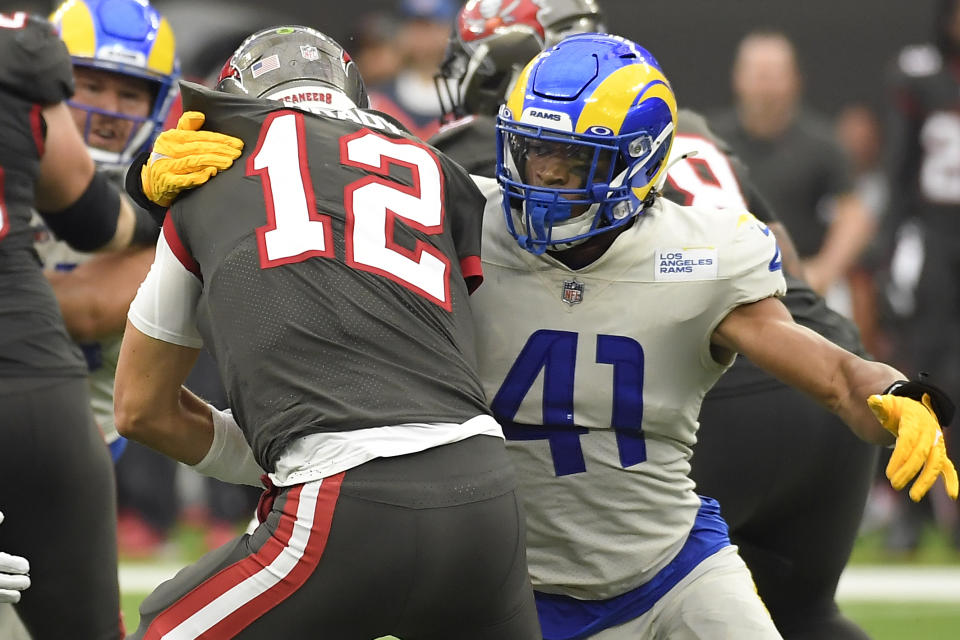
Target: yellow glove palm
(919,444)
(186,157)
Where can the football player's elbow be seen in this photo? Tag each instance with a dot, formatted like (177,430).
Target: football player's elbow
(132,416)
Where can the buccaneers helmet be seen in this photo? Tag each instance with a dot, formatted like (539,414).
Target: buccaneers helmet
(279,62)
(127,37)
(603,103)
(493,40)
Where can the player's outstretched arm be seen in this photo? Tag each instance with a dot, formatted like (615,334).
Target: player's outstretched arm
(844,383)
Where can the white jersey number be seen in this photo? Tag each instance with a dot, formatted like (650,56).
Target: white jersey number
(295,231)
(555,353)
(707,178)
(940,171)
(15,21)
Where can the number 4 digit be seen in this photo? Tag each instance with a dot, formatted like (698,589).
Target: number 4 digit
(555,353)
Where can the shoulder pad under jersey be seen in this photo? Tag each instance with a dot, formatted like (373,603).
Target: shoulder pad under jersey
(34,62)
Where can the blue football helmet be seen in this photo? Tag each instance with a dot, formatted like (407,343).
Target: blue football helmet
(126,37)
(603,104)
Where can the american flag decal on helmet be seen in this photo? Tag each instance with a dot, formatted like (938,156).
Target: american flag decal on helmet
(572,292)
(261,67)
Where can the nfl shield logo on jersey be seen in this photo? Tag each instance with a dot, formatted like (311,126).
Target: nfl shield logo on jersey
(572,292)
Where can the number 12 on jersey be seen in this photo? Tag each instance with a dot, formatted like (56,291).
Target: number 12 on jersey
(555,354)
(295,231)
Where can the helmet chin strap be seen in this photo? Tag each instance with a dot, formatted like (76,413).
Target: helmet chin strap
(663,176)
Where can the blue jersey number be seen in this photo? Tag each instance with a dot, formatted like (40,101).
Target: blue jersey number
(555,353)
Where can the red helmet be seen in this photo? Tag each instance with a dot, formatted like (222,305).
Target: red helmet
(492,40)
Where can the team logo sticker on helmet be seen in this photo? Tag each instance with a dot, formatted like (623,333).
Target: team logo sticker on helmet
(547,118)
(572,292)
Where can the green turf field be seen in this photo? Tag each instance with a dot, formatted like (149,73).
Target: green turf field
(906,620)
(882,620)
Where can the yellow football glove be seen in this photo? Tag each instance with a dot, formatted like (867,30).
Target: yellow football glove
(186,157)
(919,444)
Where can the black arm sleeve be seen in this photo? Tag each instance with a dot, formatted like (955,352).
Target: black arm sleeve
(135,189)
(91,221)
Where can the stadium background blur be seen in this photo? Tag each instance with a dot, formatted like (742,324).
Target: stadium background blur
(845,50)
(844,46)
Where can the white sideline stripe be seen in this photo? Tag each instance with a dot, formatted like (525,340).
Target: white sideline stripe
(891,584)
(900,584)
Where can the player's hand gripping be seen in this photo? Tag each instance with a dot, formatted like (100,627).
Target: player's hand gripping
(919,447)
(186,157)
(13,575)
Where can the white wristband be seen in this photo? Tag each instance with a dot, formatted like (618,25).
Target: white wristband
(230,458)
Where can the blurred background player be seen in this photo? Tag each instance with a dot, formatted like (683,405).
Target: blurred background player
(63,517)
(420,41)
(923,167)
(794,159)
(488,47)
(788,451)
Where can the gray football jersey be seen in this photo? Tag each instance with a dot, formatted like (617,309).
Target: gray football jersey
(334,257)
(597,376)
(34,71)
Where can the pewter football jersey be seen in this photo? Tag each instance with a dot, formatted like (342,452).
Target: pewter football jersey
(34,71)
(597,376)
(101,355)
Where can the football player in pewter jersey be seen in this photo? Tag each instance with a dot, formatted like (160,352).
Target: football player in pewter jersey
(607,314)
(328,273)
(62,518)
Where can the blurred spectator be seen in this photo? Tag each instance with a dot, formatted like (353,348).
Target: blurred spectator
(794,159)
(411,95)
(374,47)
(923,165)
(859,131)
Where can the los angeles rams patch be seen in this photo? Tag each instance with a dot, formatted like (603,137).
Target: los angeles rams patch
(685,264)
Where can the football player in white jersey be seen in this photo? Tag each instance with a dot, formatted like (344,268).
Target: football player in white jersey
(126,72)
(606,314)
